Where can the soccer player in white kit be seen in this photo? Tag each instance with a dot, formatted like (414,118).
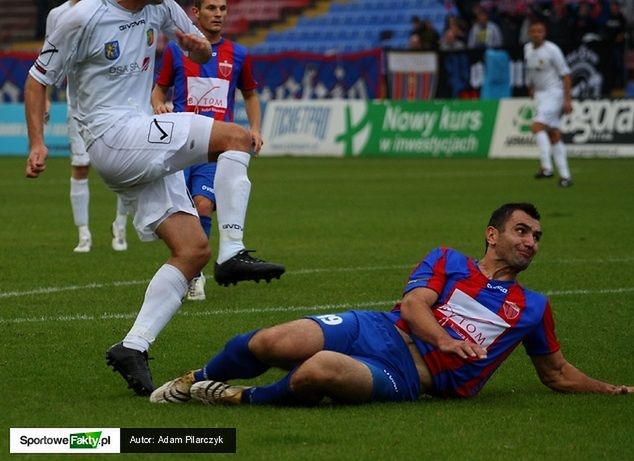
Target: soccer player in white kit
(80,165)
(107,49)
(549,84)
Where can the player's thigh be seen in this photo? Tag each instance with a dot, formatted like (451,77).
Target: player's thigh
(287,344)
(339,376)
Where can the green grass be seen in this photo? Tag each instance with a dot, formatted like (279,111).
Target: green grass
(348,232)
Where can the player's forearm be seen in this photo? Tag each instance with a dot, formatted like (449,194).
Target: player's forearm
(571,380)
(35,108)
(421,321)
(254,115)
(159,96)
(567,81)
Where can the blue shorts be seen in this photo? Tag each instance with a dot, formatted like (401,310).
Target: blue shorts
(371,338)
(200,180)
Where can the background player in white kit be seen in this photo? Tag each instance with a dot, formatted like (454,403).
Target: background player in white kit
(80,165)
(107,50)
(549,84)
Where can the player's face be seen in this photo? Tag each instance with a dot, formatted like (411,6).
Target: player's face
(518,243)
(537,33)
(211,16)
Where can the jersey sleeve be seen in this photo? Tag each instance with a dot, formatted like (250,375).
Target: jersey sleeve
(430,272)
(166,73)
(176,19)
(543,340)
(559,61)
(247,80)
(58,52)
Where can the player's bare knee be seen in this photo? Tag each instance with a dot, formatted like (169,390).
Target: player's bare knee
(239,139)
(266,344)
(315,372)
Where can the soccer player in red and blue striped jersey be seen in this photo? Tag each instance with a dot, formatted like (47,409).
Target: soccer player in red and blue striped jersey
(209,89)
(457,322)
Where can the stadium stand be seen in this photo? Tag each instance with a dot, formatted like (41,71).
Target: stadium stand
(353,26)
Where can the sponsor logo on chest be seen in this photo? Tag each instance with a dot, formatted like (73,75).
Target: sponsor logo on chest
(472,320)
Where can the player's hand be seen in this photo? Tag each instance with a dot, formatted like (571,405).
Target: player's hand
(36,163)
(193,43)
(619,390)
(257,141)
(162,109)
(463,349)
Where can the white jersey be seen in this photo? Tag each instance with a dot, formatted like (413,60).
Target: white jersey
(108,53)
(545,66)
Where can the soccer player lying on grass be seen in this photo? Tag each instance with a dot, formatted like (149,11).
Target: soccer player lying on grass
(459,319)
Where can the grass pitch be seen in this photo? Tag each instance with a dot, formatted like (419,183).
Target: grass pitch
(348,232)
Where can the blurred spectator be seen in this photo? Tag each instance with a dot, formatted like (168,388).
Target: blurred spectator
(429,37)
(585,27)
(614,32)
(457,27)
(450,42)
(510,24)
(423,35)
(43,7)
(484,33)
(560,23)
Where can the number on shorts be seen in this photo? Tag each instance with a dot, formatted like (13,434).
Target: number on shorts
(330,319)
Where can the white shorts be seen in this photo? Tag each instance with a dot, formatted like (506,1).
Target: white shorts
(549,108)
(78,154)
(142,158)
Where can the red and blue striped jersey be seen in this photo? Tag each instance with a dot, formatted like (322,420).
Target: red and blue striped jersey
(207,89)
(496,314)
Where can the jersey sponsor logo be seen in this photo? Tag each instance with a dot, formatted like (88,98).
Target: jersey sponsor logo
(470,319)
(225,69)
(132,25)
(111,50)
(130,69)
(207,93)
(150,37)
(160,132)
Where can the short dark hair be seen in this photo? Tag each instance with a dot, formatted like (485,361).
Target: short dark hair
(500,216)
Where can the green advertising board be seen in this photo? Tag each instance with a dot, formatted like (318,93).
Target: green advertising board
(418,129)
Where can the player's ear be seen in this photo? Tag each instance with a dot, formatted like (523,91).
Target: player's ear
(491,235)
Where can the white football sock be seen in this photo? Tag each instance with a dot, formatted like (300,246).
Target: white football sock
(232,188)
(543,143)
(121,220)
(79,198)
(163,297)
(561,160)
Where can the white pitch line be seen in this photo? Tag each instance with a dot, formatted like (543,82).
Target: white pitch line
(260,310)
(88,286)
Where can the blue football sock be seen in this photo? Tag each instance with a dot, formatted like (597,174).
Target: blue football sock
(279,393)
(205,221)
(235,361)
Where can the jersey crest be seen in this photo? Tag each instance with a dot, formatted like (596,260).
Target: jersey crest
(111,50)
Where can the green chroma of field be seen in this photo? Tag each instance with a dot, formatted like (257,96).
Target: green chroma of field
(348,232)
